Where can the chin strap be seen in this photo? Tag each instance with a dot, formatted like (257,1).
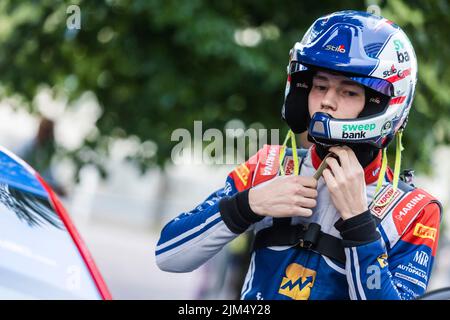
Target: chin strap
(398,160)
(290,135)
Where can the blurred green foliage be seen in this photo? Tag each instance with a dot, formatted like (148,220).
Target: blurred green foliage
(158,65)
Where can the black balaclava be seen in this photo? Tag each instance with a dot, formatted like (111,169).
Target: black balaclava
(364,152)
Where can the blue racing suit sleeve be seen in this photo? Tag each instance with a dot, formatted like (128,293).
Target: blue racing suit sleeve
(193,237)
(401,273)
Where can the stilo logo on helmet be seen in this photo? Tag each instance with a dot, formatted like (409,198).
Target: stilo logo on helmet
(339,48)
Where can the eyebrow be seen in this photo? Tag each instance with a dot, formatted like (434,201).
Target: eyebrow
(344,82)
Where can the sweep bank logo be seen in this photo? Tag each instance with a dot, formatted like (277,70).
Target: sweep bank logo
(298,282)
(357,131)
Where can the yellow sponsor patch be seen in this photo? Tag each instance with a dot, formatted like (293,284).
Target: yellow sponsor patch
(382,260)
(242,172)
(425,232)
(298,282)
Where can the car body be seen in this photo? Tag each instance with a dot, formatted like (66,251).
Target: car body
(42,255)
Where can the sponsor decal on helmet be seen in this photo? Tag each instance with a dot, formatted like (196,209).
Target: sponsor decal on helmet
(397,100)
(356,131)
(395,75)
(340,48)
(390,72)
(398,45)
(386,128)
(302,85)
(393,71)
(375,100)
(402,55)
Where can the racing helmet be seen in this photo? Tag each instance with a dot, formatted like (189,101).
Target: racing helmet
(368,49)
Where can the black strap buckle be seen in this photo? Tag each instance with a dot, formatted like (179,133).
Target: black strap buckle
(310,236)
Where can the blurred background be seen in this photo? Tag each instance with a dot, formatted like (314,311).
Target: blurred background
(91,91)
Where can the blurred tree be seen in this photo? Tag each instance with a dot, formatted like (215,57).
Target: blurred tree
(158,65)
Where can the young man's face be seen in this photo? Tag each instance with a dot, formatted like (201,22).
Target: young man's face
(336,95)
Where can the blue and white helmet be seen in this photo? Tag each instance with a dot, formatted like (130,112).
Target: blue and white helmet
(369,50)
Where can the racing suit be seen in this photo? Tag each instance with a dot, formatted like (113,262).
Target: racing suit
(389,260)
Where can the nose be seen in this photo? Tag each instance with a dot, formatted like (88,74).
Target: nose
(329,100)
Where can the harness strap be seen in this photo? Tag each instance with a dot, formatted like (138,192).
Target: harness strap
(308,237)
(312,238)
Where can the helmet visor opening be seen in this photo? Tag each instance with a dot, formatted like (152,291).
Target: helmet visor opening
(379,85)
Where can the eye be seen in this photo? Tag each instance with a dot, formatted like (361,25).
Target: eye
(351,93)
(320,88)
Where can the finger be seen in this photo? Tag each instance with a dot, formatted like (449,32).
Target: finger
(352,156)
(356,170)
(322,166)
(307,192)
(302,212)
(305,202)
(337,170)
(330,181)
(343,156)
(307,181)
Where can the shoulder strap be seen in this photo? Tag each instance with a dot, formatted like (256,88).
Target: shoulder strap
(288,169)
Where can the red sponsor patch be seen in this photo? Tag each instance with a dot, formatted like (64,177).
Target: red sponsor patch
(288,166)
(269,161)
(425,230)
(408,208)
(241,177)
(384,201)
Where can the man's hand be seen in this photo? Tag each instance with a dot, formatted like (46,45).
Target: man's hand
(346,182)
(284,196)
